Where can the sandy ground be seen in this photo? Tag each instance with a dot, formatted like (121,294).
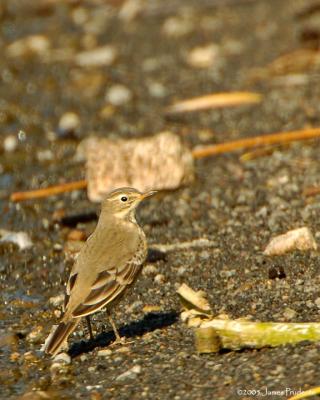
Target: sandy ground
(238,205)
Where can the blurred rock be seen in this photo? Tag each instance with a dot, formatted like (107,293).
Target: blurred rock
(130,374)
(158,162)
(69,123)
(10,143)
(100,56)
(21,239)
(118,95)
(204,56)
(33,44)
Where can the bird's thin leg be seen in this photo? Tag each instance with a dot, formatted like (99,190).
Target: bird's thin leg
(89,326)
(115,330)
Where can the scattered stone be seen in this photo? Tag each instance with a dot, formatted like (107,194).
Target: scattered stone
(123,349)
(104,353)
(118,95)
(9,339)
(204,56)
(317,302)
(77,234)
(289,314)
(134,306)
(10,143)
(151,308)
(158,162)
(57,300)
(69,123)
(157,90)
(149,270)
(181,271)
(36,335)
(296,239)
(177,26)
(130,374)
(30,45)
(21,239)
(40,395)
(62,358)
(100,56)
(159,278)
(45,155)
(131,9)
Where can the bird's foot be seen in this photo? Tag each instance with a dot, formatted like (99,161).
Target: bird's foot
(121,341)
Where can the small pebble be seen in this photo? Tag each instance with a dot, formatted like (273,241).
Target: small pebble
(99,56)
(63,358)
(68,125)
(36,335)
(10,144)
(159,278)
(149,270)
(104,353)
(130,374)
(289,314)
(296,239)
(57,300)
(118,95)
(21,239)
(203,57)
(317,302)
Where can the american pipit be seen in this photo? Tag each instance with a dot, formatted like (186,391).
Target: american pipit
(107,264)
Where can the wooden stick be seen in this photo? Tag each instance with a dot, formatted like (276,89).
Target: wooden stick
(50,191)
(212,101)
(311,191)
(257,141)
(197,152)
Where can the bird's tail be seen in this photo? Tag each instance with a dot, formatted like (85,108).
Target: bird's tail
(55,341)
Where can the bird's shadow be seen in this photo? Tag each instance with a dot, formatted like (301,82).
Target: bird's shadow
(148,323)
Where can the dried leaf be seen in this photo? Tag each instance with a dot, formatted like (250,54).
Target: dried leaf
(212,101)
(194,300)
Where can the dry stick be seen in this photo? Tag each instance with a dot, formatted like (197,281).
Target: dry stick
(311,191)
(50,191)
(248,143)
(197,152)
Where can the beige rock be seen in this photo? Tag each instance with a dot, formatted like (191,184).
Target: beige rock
(160,162)
(296,239)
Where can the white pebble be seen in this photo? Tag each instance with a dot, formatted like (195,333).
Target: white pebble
(130,374)
(118,95)
(203,57)
(69,122)
(104,353)
(296,239)
(19,238)
(94,58)
(159,278)
(62,358)
(10,144)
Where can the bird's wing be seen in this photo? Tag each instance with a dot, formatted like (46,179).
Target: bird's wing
(89,293)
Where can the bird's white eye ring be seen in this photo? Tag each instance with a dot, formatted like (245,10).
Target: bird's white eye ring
(124,198)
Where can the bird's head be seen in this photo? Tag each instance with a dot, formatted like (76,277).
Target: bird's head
(122,202)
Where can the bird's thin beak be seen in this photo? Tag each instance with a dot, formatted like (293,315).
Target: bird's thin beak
(148,194)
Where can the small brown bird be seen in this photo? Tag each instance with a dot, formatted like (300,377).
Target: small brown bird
(108,263)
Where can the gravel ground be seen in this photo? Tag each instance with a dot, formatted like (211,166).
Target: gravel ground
(238,205)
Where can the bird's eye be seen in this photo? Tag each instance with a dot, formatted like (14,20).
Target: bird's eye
(124,198)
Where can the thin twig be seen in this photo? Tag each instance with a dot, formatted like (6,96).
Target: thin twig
(212,101)
(49,191)
(257,141)
(311,191)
